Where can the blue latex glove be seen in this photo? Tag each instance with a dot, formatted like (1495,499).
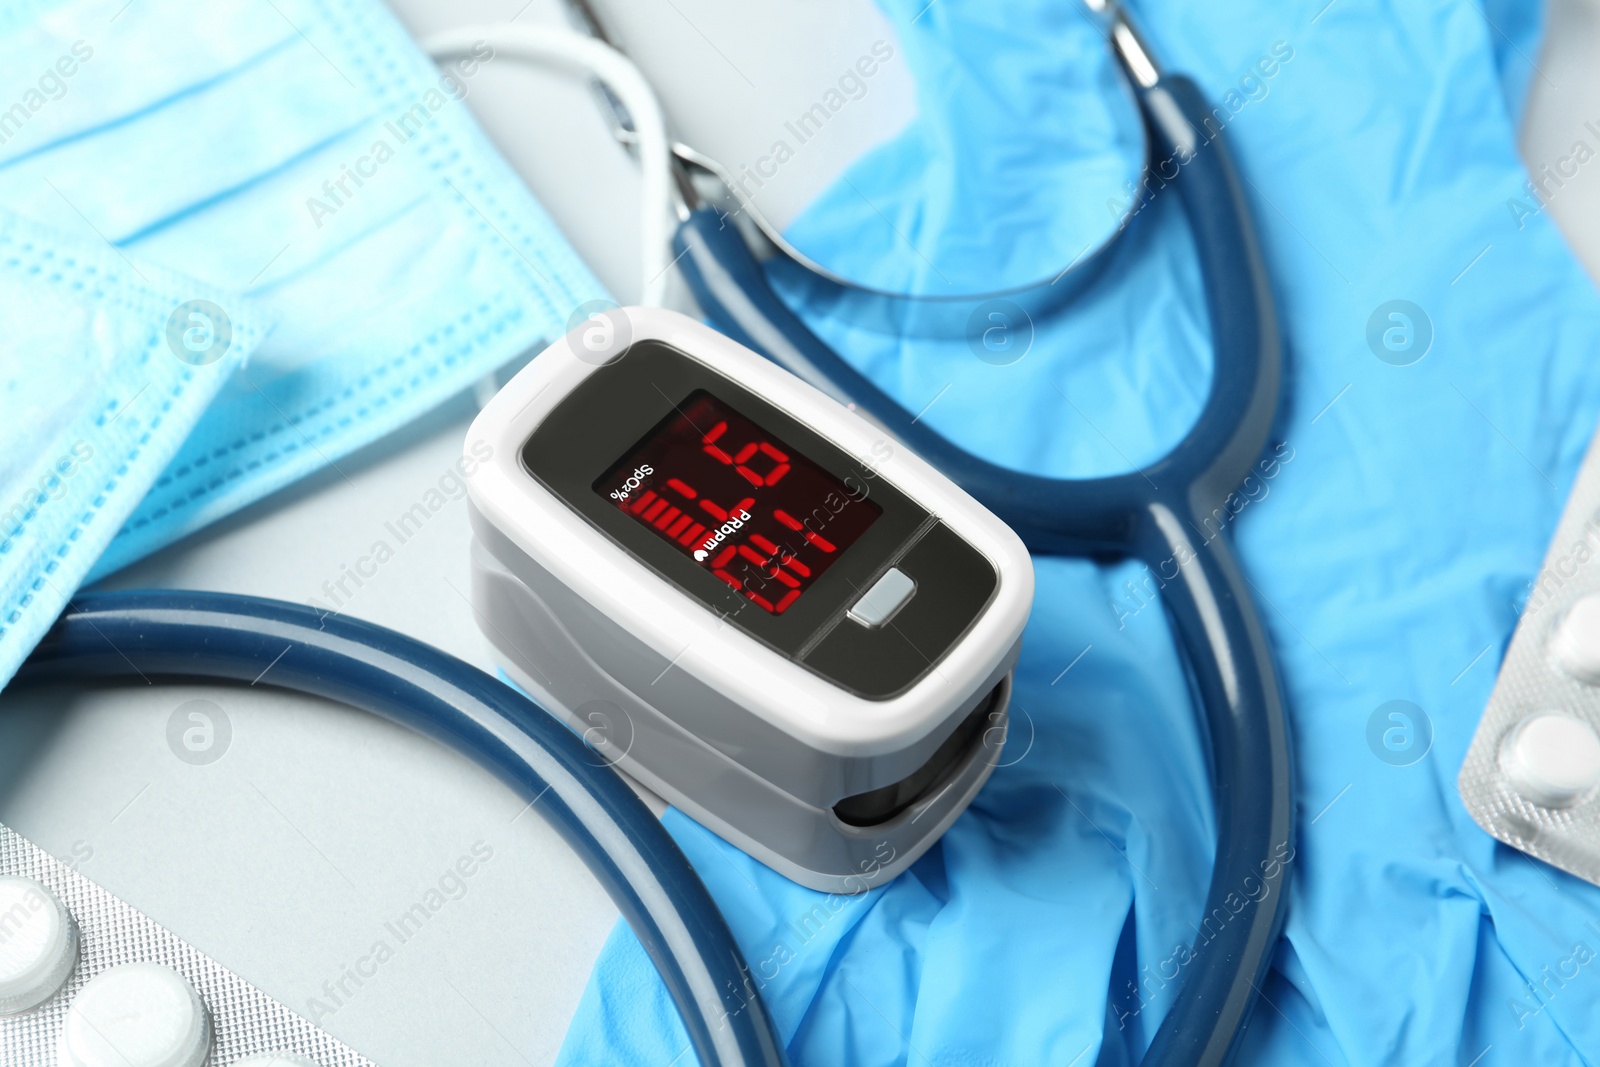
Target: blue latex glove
(1391,551)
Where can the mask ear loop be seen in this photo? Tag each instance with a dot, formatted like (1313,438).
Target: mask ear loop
(549,46)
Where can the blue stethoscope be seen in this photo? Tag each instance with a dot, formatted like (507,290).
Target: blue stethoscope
(1153,514)
(1156,514)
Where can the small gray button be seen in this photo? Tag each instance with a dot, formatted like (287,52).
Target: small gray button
(887,595)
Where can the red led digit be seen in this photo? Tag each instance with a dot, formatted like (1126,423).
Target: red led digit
(788,521)
(711,449)
(772,477)
(821,542)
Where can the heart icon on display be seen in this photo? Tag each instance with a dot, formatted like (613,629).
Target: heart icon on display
(700,555)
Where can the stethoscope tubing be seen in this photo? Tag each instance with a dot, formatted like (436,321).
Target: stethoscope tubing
(146,634)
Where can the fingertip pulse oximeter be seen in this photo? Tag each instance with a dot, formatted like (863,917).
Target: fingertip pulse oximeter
(745,595)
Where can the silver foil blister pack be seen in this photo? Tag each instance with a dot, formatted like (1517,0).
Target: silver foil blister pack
(1532,775)
(245,1024)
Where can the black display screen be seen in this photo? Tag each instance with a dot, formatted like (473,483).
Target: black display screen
(760,516)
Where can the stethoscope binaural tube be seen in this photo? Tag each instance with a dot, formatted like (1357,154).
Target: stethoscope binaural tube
(1155,514)
(220,636)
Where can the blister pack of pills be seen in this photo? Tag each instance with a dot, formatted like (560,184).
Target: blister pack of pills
(86,980)
(1532,775)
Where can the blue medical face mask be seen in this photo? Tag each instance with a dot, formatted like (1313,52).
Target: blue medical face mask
(306,153)
(106,363)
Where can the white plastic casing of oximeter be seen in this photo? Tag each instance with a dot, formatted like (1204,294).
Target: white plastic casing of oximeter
(744,739)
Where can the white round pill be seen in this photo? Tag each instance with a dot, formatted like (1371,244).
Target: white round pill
(38,945)
(136,1015)
(1552,758)
(276,1059)
(1575,644)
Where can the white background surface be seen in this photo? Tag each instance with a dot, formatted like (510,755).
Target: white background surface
(285,858)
